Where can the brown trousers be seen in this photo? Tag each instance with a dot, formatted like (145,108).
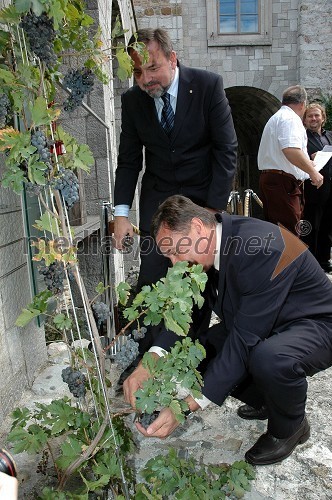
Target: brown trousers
(283,200)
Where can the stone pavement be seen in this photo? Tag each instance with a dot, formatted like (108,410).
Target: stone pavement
(215,435)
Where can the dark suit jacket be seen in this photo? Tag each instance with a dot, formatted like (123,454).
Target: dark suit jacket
(311,193)
(199,158)
(252,302)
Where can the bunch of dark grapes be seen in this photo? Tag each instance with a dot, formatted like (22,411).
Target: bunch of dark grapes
(43,462)
(127,354)
(75,380)
(67,183)
(145,419)
(54,274)
(102,311)
(5,110)
(39,140)
(40,33)
(80,82)
(139,333)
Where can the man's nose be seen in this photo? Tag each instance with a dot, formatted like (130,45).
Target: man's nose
(173,259)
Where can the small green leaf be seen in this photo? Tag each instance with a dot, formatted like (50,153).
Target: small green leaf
(47,223)
(22,5)
(100,288)
(62,321)
(7,76)
(26,316)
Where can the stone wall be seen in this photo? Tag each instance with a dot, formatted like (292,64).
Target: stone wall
(299,53)
(22,350)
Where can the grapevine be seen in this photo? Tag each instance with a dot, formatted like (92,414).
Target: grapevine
(54,274)
(39,140)
(75,380)
(146,419)
(40,34)
(139,333)
(67,184)
(102,312)
(5,108)
(127,354)
(80,83)
(33,189)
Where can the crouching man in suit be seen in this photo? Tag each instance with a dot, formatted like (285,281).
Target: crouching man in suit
(276,328)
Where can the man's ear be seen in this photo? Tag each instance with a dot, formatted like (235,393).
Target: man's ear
(173,59)
(197,225)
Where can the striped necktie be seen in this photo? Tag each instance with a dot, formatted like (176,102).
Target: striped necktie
(167,114)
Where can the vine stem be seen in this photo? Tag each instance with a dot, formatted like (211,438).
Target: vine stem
(43,202)
(85,455)
(122,331)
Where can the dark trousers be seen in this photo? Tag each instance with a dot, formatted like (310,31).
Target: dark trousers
(277,370)
(283,200)
(318,212)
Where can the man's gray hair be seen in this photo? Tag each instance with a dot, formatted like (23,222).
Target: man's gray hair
(294,95)
(177,212)
(159,35)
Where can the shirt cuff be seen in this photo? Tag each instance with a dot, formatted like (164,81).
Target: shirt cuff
(158,350)
(121,211)
(203,402)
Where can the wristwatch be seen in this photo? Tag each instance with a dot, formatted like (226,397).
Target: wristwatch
(188,413)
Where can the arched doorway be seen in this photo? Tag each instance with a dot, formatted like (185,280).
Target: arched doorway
(251,109)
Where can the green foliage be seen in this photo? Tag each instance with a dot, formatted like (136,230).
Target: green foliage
(34,430)
(176,368)
(170,300)
(188,479)
(38,306)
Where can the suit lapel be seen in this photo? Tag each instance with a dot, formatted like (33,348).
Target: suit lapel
(186,94)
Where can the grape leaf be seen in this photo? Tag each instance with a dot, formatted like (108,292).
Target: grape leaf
(26,316)
(7,76)
(71,449)
(22,5)
(62,322)
(47,223)
(41,114)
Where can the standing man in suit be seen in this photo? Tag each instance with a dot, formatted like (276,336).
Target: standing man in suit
(181,118)
(276,329)
(318,204)
(284,162)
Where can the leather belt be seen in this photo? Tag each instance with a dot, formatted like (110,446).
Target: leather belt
(281,172)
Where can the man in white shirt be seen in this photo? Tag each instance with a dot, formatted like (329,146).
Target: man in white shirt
(284,162)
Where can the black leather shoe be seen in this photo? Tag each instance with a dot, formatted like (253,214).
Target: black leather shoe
(249,413)
(270,450)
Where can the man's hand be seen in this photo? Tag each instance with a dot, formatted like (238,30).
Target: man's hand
(162,427)
(122,230)
(8,487)
(316,179)
(134,382)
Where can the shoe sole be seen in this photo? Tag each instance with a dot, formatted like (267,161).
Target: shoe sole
(302,440)
(253,418)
